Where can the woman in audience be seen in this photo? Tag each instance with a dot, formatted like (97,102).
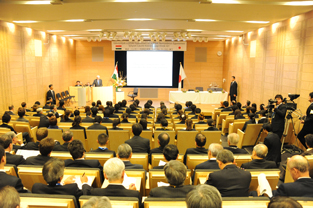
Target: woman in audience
(101,109)
(251,121)
(117,108)
(116,123)
(182,118)
(179,113)
(94,112)
(144,124)
(124,103)
(189,126)
(35,107)
(239,106)
(238,114)
(66,116)
(247,110)
(76,124)
(159,118)
(61,106)
(200,120)
(99,103)
(164,111)
(125,118)
(87,109)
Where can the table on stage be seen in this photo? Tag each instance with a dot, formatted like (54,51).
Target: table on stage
(203,97)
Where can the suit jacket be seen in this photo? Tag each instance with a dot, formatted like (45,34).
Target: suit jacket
(95,83)
(80,127)
(209,164)
(236,150)
(88,120)
(49,94)
(171,191)
(259,164)
(85,164)
(44,121)
(246,123)
(278,120)
(197,150)
(211,128)
(8,180)
(31,146)
(4,125)
(15,159)
(226,109)
(103,151)
(10,112)
(62,147)
(155,150)
(22,119)
(272,141)
(129,165)
(97,126)
(231,181)
(302,188)
(139,144)
(113,190)
(106,120)
(37,160)
(263,120)
(68,120)
(233,88)
(307,152)
(308,122)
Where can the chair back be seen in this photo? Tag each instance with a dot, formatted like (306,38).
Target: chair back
(158,175)
(102,157)
(141,159)
(78,134)
(212,137)
(123,202)
(135,91)
(156,157)
(55,134)
(117,137)
(48,201)
(185,140)
(92,138)
(250,136)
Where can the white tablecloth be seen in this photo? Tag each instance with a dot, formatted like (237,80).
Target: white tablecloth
(198,97)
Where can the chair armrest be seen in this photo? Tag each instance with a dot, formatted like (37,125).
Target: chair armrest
(241,137)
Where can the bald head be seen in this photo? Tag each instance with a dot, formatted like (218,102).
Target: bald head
(260,150)
(298,167)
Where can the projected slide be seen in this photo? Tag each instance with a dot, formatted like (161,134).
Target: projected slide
(149,68)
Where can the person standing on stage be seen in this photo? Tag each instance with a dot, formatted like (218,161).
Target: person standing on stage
(308,122)
(51,94)
(97,82)
(233,89)
(278,117)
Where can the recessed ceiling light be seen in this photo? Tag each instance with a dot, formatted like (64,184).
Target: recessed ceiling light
(225,2)
(139,19)
(236,31)
(258,22)
(205,20)
(75,20)
(95,30)
(37,2)
(55,30)
(24,21)
(299,3)
(194,30)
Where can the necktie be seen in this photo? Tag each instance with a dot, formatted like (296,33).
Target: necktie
(98,82)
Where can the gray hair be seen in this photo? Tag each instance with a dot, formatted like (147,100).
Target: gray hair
(39,110)
(233,138)
(204,196)
(98,202)
(53,170)
(299,162)
(124,151)
(175,172)
(114,169)
(9,197)
(11,134)
(260,150)
(225,156)
(215,148)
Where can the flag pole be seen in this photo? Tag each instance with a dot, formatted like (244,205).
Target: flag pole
(186,78)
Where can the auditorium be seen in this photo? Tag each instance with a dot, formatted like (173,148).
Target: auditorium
(156,103)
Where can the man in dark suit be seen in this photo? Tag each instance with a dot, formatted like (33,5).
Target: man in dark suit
(175,173)
(21,113)
(103,141)
(200,141)
(272,141)
(39,112)
(129,112)
(51,94)
(45,148)
(77,150)
(278,117)
(11,110)
(258,159)
(138,143)
(40,134)
(303,183)
(8,180)
(7,143)
(106,115)
(88,118)
(233,89)
(263,118)
(308,122)
(97,125)
(114,170)
(232,140)
(9,197)
(170,152)
(48,104)
(163,140)
(52,172)
(211,125)
(211,163)
(67,137)
(6,118)
(227,108)
(231,181)
(97,82)
(124,152)
(309,144)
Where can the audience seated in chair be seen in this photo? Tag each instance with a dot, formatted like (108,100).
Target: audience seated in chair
(238,115)
(53,123)
(67,137)
(232,140)
(233,108)
(211,125)
(125,118)
(54,110)
(44,120)
(177,107)
(45,148)
(124,152)
(97,125)
(283,202)
(200,141)
(98,202)
(66,116)
(7,143)
(272,141)
(182,118)
(309,144)
(159,118)
(103,141)
(11,110)
(145,116)
(6,118)
(226,107)
(61,106)
(130,114)
(76,125)
(200,120)
(251,121)
(94,111)
(53,172)
(144,124)
(106,115)
(258,159)
(88,118)
(21,114)
(163,140)
(16,142)
(164,125)
(188,106)
(170,152)
(189,126)
(34,108)
(197,111)
(231,181)
(116,123)
(9,197)
(40,135)
(211,163)
(114,171)
(138,143)
(137,101)
(8,180)
(48,104)
(39,112)
(263,118)
(204,196)
(175,173)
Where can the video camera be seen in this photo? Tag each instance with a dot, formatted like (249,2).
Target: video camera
(270,104)
(290,104)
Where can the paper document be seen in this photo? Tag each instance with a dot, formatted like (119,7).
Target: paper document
(162,163)
(163,184)
(27,153)
(127,181)
(264,186)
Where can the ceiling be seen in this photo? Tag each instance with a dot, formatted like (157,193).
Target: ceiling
(177,18)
